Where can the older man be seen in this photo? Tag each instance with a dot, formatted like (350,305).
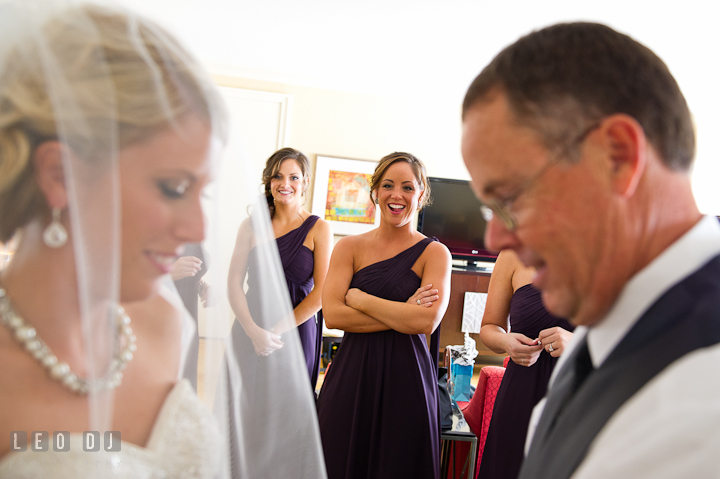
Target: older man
(579,143)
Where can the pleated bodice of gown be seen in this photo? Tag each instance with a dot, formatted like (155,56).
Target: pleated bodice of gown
(256,372)
(378,408)
(298,265)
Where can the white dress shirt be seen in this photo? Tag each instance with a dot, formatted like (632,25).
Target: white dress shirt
(671,427)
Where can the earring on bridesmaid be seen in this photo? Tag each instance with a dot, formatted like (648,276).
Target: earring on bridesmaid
(55,235)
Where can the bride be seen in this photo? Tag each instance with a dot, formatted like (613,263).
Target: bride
(108,137)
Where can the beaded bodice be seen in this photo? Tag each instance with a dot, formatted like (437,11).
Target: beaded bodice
(184,443)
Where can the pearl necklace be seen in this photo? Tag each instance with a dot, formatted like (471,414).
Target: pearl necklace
(60,371)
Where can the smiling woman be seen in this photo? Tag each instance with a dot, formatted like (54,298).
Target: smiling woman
(274,349)
(304,242)
(161,184)
(106,128)
(386,289)
(109,134)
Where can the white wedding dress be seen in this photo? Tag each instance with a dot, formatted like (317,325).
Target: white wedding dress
(184,443)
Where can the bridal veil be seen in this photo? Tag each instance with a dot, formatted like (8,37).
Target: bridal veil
(70,69)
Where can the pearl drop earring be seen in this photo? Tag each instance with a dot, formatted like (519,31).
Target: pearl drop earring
(55,235)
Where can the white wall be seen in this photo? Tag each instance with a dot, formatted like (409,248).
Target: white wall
(413,59)
(257,128)
(368,127)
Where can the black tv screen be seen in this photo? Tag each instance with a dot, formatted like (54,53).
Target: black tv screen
(455,219)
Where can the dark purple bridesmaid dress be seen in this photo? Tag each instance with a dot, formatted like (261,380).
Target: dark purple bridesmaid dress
(255,372)
(378,407)
(298,263)
(521,389)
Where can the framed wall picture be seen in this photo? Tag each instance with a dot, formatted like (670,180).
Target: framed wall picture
(341,194)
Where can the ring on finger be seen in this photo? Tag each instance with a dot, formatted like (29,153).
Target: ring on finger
(550,348)
(418,302)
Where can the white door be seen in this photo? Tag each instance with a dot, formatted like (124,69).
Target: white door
(257,129)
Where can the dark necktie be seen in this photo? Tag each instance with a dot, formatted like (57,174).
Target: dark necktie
(567,383)
(583,368)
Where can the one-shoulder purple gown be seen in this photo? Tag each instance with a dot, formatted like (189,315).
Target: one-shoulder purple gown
(521,389)
(298,263)
(378,407)
(255,372)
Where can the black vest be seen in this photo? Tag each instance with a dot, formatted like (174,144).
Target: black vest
(684,319)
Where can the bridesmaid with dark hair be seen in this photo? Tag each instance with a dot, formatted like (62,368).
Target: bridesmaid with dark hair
(517,324)
(304,242)
(387,289)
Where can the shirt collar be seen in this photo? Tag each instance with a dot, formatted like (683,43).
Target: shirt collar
(686,255)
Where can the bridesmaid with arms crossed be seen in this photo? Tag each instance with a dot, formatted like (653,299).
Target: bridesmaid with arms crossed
(517,324)
(304,242)
(378,408)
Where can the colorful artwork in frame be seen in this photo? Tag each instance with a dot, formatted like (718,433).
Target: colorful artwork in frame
(348,198)
(341,194)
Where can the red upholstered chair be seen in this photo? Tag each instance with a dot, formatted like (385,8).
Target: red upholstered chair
(479,411)
(463,404)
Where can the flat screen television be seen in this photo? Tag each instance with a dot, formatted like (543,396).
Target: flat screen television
(455,219)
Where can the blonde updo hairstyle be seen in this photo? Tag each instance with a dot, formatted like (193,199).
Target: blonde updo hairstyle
(417,167)
(121,96)
(272,167)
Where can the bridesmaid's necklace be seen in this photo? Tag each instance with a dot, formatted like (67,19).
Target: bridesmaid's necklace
(60,371)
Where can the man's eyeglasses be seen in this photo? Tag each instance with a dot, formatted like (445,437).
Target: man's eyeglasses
(501,208)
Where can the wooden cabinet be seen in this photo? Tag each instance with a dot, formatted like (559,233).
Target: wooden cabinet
(462,281)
